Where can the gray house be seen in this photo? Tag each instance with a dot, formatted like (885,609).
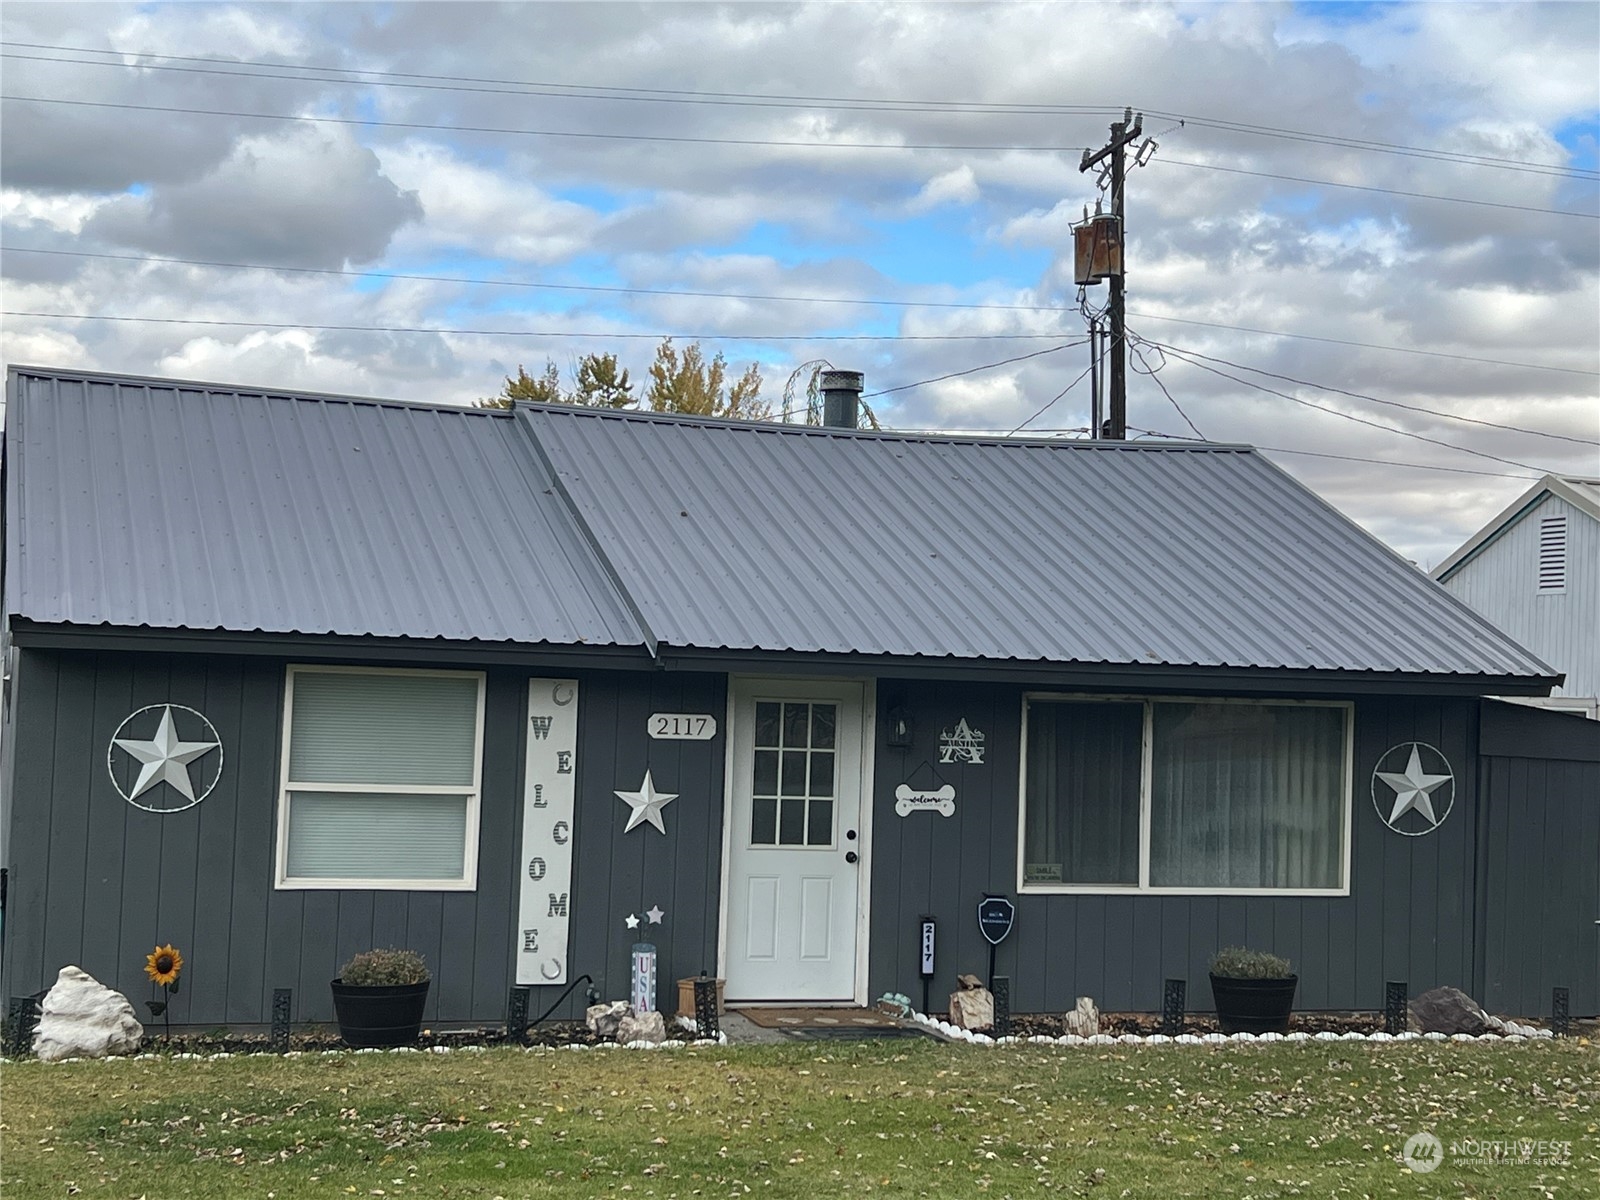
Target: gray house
(291,676)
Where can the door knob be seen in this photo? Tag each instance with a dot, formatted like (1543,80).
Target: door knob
(851,856)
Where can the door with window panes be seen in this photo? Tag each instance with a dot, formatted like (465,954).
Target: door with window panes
(795,844)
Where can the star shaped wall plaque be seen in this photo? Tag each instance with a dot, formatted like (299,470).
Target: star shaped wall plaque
(646,804)
(1414,789)
(163,758)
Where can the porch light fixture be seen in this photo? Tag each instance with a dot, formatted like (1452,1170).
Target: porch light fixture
(900,732)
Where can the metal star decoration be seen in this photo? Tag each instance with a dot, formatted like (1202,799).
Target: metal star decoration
(655,914)
(163,758)
(631,921)
(646,804)
(1413,789)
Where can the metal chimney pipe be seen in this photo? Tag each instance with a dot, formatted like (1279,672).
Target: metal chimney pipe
(841,398)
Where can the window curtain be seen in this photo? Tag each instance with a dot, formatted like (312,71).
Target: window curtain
(1247,796)
(1083,770)
(389,733)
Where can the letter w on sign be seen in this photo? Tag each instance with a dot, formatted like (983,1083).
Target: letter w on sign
(541,726)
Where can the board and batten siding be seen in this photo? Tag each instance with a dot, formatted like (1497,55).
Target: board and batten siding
(1539,860)
(97,882)
(1409,914)
(1561,627)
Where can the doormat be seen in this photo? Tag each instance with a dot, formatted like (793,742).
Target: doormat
(853,1033)
(819,1019)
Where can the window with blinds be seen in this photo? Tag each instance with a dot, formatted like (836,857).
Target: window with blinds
(1553,553)
(380,780)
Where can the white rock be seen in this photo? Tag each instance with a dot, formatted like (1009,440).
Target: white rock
(1101,1039)
(1130,1039)
(1433,1037)
(1158,1039)
(1380,1036)
(1241,1037)
(972,1008)
(647,1028)
(603,1019)
(1352,1036)
(1188,1039)
(1084,1020)
(82,1018)
(1269,1036)
(1327,1035)
(1297,1036)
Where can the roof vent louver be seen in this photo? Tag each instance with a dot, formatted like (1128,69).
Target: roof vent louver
(1553,553)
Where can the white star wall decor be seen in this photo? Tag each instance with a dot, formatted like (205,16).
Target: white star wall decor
(164,758)
(631,921)
(1413,788)
(655,914)
(646,804)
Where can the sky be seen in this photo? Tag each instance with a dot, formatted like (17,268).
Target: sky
(1365,237)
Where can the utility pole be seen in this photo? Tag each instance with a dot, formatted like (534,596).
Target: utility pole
(1123,132)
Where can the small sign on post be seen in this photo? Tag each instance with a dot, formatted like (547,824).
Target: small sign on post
(996,915)
(930,930)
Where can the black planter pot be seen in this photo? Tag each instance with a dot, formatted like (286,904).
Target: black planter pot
(379,1016)
(1254,1005)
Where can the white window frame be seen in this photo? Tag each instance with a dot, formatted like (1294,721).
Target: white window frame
(1147,753)
(469,878)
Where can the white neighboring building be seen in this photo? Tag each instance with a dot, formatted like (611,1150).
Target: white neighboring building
(1535,572)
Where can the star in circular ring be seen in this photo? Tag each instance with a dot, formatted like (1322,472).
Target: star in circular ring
(165,758)
(1411,775)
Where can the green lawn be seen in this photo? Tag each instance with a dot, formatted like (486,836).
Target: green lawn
(906,1118)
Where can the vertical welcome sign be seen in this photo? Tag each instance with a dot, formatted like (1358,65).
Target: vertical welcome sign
(547,808)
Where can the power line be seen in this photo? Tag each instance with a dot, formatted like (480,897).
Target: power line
(1362,187)
(370,77)
(675,139)
(1311,337)
(1417,408)
(772,143)
(776,298)
(1382,462)
(1051,402)
(1301,400)
(543,333)
(974,370)
(1156,379)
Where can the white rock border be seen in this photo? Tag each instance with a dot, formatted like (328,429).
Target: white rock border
(695,1043)
(1513,1033)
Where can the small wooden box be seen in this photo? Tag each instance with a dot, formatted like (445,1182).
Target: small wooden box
(686,997)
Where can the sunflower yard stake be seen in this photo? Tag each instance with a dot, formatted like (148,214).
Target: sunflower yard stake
(164,965)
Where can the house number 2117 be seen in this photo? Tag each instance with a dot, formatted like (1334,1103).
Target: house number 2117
(682,727)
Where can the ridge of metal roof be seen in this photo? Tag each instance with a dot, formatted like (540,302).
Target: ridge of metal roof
(902,435)
(241,389)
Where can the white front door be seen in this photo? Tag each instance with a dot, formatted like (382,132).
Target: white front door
(795,841)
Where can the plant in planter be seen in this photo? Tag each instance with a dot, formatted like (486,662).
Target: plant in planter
(379,997)
(1253,990)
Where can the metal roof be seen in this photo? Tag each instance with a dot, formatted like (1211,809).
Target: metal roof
(137,502)
(182,506)
(780,538)
(1583,494)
